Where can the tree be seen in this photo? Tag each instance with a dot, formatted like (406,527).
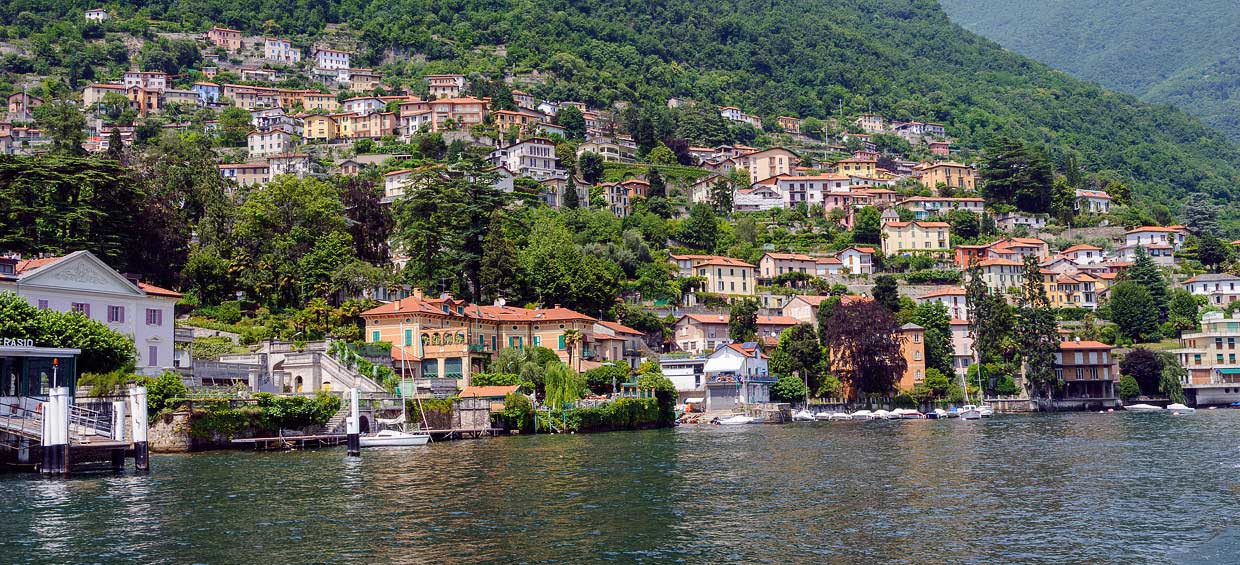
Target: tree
(561,386)
(1128,388)
(64,123)
(743,320)
(1144,367)
(1147,274)
(658,188)
(234,126)
(799,353)
(865,348)
(933,316)
(1184,312)
(938,382)
(371,220)
(661,155)
(990,322)
(1212,251)
(868,225)
(591,167)
(701,229)
(1172,377)
(556,270)
(116,147)
(964,223)
(886,293)
(1200,215)
(826,311)
(1038,337)
(789,388)
(572,200)
(1014,172)
(498,274)
(571,119)
(721,197)
(1134,312)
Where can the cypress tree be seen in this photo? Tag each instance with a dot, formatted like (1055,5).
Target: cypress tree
(1145,273)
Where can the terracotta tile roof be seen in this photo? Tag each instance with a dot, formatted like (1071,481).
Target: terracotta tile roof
(1003,262)
(619,328)
(790,256)
(919,224)
(32,264)
(947,292)
(1081,247)
(487,391)
(1160,229)
(465,310)
(157,291)
(1083,345)
(777,321)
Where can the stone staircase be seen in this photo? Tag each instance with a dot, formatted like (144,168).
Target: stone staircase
(337,423)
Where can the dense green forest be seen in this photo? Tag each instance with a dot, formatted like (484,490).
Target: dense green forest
(903,58)
(1156,49)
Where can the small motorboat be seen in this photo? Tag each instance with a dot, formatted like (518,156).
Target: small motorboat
(1180,409)
(1143,408)
(737,420)
(861,415)
(881,414)
(969,412)
(803,416)
(986,411)
(936,414)
(394,438)
(822,416)
(839,416)
(905,414)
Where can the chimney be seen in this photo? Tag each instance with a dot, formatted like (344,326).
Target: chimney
(417,293)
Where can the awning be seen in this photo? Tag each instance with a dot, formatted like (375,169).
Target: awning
(695,400)
(723,365)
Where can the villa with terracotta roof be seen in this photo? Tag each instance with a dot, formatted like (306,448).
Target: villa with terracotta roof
(1083,254)
(724,275)
(81,282)
(952,298)
(955,175)
(916,237)
(1092,202)
(925,206)
(703,333)
(449,338)
(1088,372)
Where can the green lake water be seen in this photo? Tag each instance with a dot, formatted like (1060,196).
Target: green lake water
(1069,488)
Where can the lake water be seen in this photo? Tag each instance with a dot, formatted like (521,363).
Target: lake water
(1067,488)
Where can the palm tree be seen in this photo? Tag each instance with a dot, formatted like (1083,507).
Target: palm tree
(572,338)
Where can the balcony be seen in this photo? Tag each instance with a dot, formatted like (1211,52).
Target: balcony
(479,348)
(632,352)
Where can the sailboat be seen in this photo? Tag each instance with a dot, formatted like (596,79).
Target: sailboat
(395,436)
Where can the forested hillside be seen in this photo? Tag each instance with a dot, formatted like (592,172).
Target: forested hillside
(1156,49)
(903,58)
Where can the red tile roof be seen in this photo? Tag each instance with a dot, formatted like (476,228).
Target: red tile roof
(487,391)
(1083,345)
(619,328)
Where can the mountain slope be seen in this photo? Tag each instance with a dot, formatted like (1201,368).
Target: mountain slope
(903,58)
(1155,49)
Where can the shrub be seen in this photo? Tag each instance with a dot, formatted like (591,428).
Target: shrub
(163,392)
(1128,387)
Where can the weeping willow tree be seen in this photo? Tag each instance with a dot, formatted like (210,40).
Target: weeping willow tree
(562,388)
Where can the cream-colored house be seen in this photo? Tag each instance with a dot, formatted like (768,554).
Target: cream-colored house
(768,163)
(915,236)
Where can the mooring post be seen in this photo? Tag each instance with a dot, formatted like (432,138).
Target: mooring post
(118,433)
(354,426)
(137,402)
(56,432)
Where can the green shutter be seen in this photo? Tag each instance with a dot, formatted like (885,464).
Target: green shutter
(408,338)
(561,341)
(537,341)
(374,336)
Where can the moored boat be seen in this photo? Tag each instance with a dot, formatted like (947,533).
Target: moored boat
(822,416)
(394,438)
(862,415)
(969,412)
(737,420)
(985,411)
(905,414)
(1180,409)
(1143,408)
(803,416)
(839,416)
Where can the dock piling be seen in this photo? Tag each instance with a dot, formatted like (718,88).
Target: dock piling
(353,426)
(141,455)
(56,432)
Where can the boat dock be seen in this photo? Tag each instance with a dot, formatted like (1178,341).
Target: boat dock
(332,440)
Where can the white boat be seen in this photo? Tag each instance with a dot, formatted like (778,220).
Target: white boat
(735,420)
(937,414)
(394,438)
(1180,409)
(803,416)
(905,414)
(881,414)
(969,412)
(1143,408)
(986,411)
(839,416)
(823,416)
(862,415)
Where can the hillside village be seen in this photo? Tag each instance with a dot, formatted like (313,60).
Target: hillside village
(814,209)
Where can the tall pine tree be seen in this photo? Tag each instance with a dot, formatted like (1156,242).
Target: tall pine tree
(1145,273)
(1039,334)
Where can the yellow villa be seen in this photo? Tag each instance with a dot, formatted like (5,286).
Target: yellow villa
(916,236)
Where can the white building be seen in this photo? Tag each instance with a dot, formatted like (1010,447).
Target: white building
(759,197)
(1219,289)
(280,50)
(953,299)
(363,105)
(1147,235)
(1092,202)
(83,283)
(737,374)
(857,260)
(271,142)
(331,59)
(296,164)
(445,86)
(534,158)
(97,15)
(149,80)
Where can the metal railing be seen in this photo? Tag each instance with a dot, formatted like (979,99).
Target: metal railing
(86,422)
(21,421)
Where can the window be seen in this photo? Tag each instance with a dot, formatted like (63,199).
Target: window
(154,317)
(537,341)
(560,342)
(152,355)
(374,336)
(917,356)
(81,307)
(408,338)
(116,314)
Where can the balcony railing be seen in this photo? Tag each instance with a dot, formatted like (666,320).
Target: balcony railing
(479,348)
